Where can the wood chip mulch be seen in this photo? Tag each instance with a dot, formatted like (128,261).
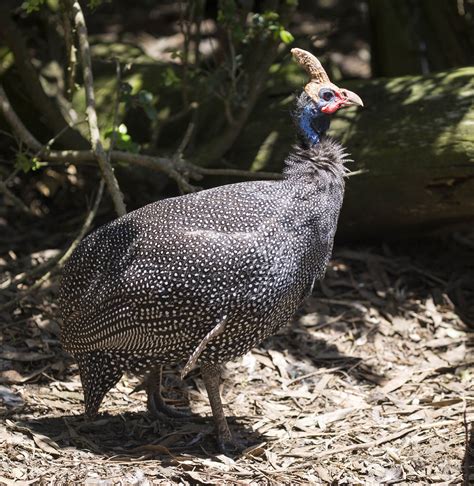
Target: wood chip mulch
(371,384)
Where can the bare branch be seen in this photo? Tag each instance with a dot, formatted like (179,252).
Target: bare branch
(177,170)
(14,199)
(17,125)
(70,49)
(238,173)
(98,149)
(113,138)
(80,156)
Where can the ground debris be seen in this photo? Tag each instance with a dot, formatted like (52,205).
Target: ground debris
(372,384)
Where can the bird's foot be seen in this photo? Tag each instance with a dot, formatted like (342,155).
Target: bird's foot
(159,409)
(156,405)
(230,446)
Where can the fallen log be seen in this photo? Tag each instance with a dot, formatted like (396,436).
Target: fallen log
(413,144)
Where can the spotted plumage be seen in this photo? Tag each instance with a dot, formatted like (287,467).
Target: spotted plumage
(205,276)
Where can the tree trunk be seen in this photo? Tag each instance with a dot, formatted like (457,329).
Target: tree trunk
(414,139)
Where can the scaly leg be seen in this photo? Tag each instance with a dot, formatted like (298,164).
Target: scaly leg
(211,375)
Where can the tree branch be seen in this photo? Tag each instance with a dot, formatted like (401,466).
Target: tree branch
(17,125)
(70,49)
(238,173)
(98,149)
(179,170)
(15,200)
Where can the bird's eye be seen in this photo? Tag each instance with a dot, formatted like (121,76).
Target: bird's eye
(327,95)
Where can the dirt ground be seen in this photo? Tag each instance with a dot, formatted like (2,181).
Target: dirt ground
(371,384)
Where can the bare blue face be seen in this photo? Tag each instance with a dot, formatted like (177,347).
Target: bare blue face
(311,119)
(313,111)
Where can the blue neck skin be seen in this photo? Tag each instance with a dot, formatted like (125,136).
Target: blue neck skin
(313,123)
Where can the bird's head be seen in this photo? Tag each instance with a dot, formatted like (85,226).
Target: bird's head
(320,98)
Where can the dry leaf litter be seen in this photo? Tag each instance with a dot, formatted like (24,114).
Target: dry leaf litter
(371,384)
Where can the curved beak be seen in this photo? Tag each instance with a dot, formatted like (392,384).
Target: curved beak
(351,98)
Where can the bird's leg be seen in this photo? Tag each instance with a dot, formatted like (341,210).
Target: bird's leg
(211,375)
(155,403)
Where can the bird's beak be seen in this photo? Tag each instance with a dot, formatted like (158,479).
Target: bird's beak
(351,98)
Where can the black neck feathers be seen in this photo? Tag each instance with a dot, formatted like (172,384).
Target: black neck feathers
(314,164)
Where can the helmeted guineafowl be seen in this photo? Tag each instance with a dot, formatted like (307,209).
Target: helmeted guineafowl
(206,276)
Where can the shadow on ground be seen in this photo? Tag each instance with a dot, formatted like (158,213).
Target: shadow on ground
(136,435)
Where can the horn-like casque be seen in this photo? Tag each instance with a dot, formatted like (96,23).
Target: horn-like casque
(311,64)
(314,68)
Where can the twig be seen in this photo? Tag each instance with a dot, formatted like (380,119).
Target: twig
(184,28)
(17,125)
(98,149)
(14,199)
(178,155)
(160,123)
(67,254)
(184,143)
(238,173)
(313,373)
(259,73)
(53,139)
(83,156)
(257,65)
(467,465)
(197,34)
(85,227)
(344,303)
(23,276)
(70,49)
(113,139)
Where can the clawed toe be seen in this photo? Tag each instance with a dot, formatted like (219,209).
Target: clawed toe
(159,409)
(156,406)
(230,446)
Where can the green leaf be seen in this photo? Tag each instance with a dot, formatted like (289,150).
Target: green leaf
(94,4)
(31,6)
(26,163)
(145,100)
(122,140)
(170,78)
(145,97)
(286,37)
(36,164)
(150,112)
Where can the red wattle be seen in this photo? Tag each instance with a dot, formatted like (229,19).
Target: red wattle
(331,108)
